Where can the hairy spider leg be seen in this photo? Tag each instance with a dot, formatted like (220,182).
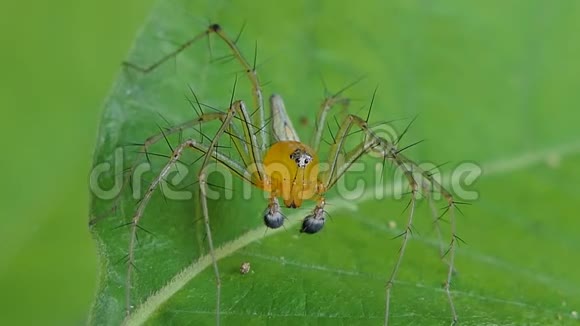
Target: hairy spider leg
(327,104)
(247,173)
(258,115)
(250,151)
(411,171)
(295,180)
(248,69)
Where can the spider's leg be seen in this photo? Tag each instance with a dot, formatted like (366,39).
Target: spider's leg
(405,235)
(143,149)
(450,209)
(251,173)
(258,116)
(412,172)
(328,103)
(172,54)
(245,142)
(137,218)
(427,190)
(239,108)
(203,198)
(137,215)
(436,218)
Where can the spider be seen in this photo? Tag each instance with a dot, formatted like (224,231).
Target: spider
(289,168)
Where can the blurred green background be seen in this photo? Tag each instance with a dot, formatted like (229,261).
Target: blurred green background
(58,60)
(494,82)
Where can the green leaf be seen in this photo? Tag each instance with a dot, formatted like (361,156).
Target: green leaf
(493,84)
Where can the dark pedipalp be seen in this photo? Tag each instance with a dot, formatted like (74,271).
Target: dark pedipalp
(312,225)
(313,222)
(273,218)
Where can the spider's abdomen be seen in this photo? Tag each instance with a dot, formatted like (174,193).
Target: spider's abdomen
(291,172)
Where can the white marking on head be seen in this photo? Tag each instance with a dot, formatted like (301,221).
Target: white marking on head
(301,158)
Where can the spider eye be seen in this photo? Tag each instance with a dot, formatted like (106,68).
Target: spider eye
(312,224)
(295,155)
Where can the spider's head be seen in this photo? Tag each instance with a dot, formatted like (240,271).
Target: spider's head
(313,222)
(273,218)
(291,172)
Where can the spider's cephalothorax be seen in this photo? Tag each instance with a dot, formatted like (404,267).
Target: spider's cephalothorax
(291,167)
(292,172)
